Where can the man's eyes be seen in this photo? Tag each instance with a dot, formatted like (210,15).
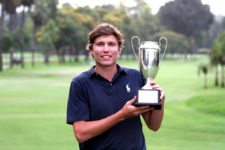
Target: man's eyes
(112,44)
(102,44)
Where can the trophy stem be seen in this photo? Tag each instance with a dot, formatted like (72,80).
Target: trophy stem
(148,84)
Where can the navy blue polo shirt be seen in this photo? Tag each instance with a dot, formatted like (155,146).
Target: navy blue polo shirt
(92,97)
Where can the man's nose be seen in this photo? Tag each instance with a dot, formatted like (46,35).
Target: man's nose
(106,47)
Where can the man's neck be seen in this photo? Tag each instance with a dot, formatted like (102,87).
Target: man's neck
(106,72)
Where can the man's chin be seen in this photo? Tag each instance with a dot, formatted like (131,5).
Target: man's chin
(107,64)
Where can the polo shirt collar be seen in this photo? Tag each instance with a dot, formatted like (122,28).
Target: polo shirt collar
(92,73)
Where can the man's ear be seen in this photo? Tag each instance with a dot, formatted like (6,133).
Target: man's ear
(118,56)
(91,53)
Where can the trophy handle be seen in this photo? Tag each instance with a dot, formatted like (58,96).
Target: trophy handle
(164,47)
(139,43)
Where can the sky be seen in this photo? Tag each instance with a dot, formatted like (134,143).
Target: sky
(216,6)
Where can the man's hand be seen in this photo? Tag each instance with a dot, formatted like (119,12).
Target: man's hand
(129,110)
(153,119)
(85,130)
(157,87)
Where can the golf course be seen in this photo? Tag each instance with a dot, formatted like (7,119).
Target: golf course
(33,105)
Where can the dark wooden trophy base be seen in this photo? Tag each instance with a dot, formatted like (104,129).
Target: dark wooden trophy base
(148,97)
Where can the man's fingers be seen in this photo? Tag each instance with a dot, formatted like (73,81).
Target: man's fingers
(132,100)
(162,95)
(142,110)
(152,82)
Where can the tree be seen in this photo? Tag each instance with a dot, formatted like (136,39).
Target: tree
(28,4)
(71,35)
(188,17)
(215,61)
(91,19)
(178,43)
(138,21)
(127,27)
(204,69)
(39,18)
(218,54)
(8,6)
(42,12)
(82,21)
(210,35)
(146,23)
(24,3)
(1,33)
(47,36)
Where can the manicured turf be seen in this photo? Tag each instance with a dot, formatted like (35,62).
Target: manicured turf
(33,108)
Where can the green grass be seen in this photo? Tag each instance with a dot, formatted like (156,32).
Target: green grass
(33,108)
(213,104)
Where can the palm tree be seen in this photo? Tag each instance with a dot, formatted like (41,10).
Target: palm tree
(39,18)
(218,53)
(43,11)
(204,69)
(10,8)
(222,76)
(24,3)
(215,63)
(1,34)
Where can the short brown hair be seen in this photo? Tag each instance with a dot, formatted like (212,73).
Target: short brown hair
(105,29)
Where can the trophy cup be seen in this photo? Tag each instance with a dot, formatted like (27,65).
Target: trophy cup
(148,59)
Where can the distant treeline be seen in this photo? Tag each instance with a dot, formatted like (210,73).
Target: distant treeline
(41,26)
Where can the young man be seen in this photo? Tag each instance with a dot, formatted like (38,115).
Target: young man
(100,99)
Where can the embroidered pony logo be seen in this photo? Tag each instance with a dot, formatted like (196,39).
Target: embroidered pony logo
(128,88)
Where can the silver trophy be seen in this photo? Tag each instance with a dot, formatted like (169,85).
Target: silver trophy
(149,59)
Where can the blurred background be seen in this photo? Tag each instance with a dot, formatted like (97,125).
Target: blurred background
(43,46)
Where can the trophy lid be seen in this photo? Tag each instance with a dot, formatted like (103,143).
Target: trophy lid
(149,44)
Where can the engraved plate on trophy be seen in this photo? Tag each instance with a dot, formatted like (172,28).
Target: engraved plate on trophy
(149,60)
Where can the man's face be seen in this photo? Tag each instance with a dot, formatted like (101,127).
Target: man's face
(105,50)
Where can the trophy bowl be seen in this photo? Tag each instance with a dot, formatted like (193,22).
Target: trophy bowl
(149,60)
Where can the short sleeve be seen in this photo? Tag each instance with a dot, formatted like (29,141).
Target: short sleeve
(77,106)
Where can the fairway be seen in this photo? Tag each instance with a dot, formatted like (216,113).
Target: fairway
(33,108)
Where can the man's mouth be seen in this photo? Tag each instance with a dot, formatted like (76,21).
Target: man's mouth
(106,56)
